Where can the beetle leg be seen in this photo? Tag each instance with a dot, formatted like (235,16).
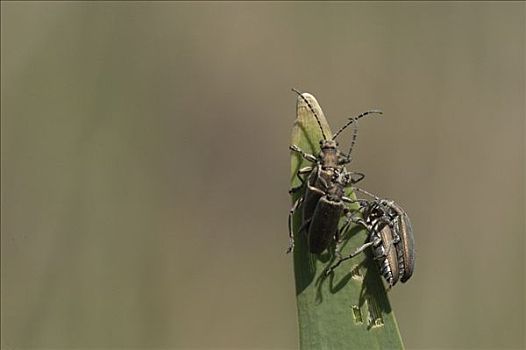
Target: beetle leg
(338,238)
(322,179)
(350,219)
(361,176)
(315,189)
(296,204)
(365,225)
(295,189)
(307,156)
(340,233)
(350,200)
(360,201)
(302,171)
(373,241)
(350,256)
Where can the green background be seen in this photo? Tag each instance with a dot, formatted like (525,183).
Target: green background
(145,166)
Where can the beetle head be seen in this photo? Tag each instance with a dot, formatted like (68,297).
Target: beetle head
(328,145)
(373,211)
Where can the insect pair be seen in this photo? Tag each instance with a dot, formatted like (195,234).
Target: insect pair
(324,203)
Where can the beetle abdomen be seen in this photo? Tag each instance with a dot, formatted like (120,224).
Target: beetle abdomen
(406,248)
(386,254)
(324,224)
(317,182)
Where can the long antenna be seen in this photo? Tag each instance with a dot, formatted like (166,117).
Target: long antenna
(355,131)
(312,110)
(366,193)
(355,119)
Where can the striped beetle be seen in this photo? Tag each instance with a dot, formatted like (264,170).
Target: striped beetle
(390,235)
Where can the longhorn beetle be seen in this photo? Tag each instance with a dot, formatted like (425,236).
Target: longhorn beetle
(390,235)
(323,200)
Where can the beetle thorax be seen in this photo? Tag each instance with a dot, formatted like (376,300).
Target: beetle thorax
(335,192)
(329,153)
(374,212)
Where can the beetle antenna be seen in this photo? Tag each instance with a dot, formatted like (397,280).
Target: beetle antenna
(366,193)
(354,134)
(312,110)
(355,119)
(355,131)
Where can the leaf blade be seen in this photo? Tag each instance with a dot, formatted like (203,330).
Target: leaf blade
(349,308)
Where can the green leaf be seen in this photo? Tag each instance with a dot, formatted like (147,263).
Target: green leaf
(348,309)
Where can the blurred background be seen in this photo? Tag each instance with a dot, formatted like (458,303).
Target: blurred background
(145,166)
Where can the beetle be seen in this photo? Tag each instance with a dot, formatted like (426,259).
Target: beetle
(330,207)
(390,235)
(323,199)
